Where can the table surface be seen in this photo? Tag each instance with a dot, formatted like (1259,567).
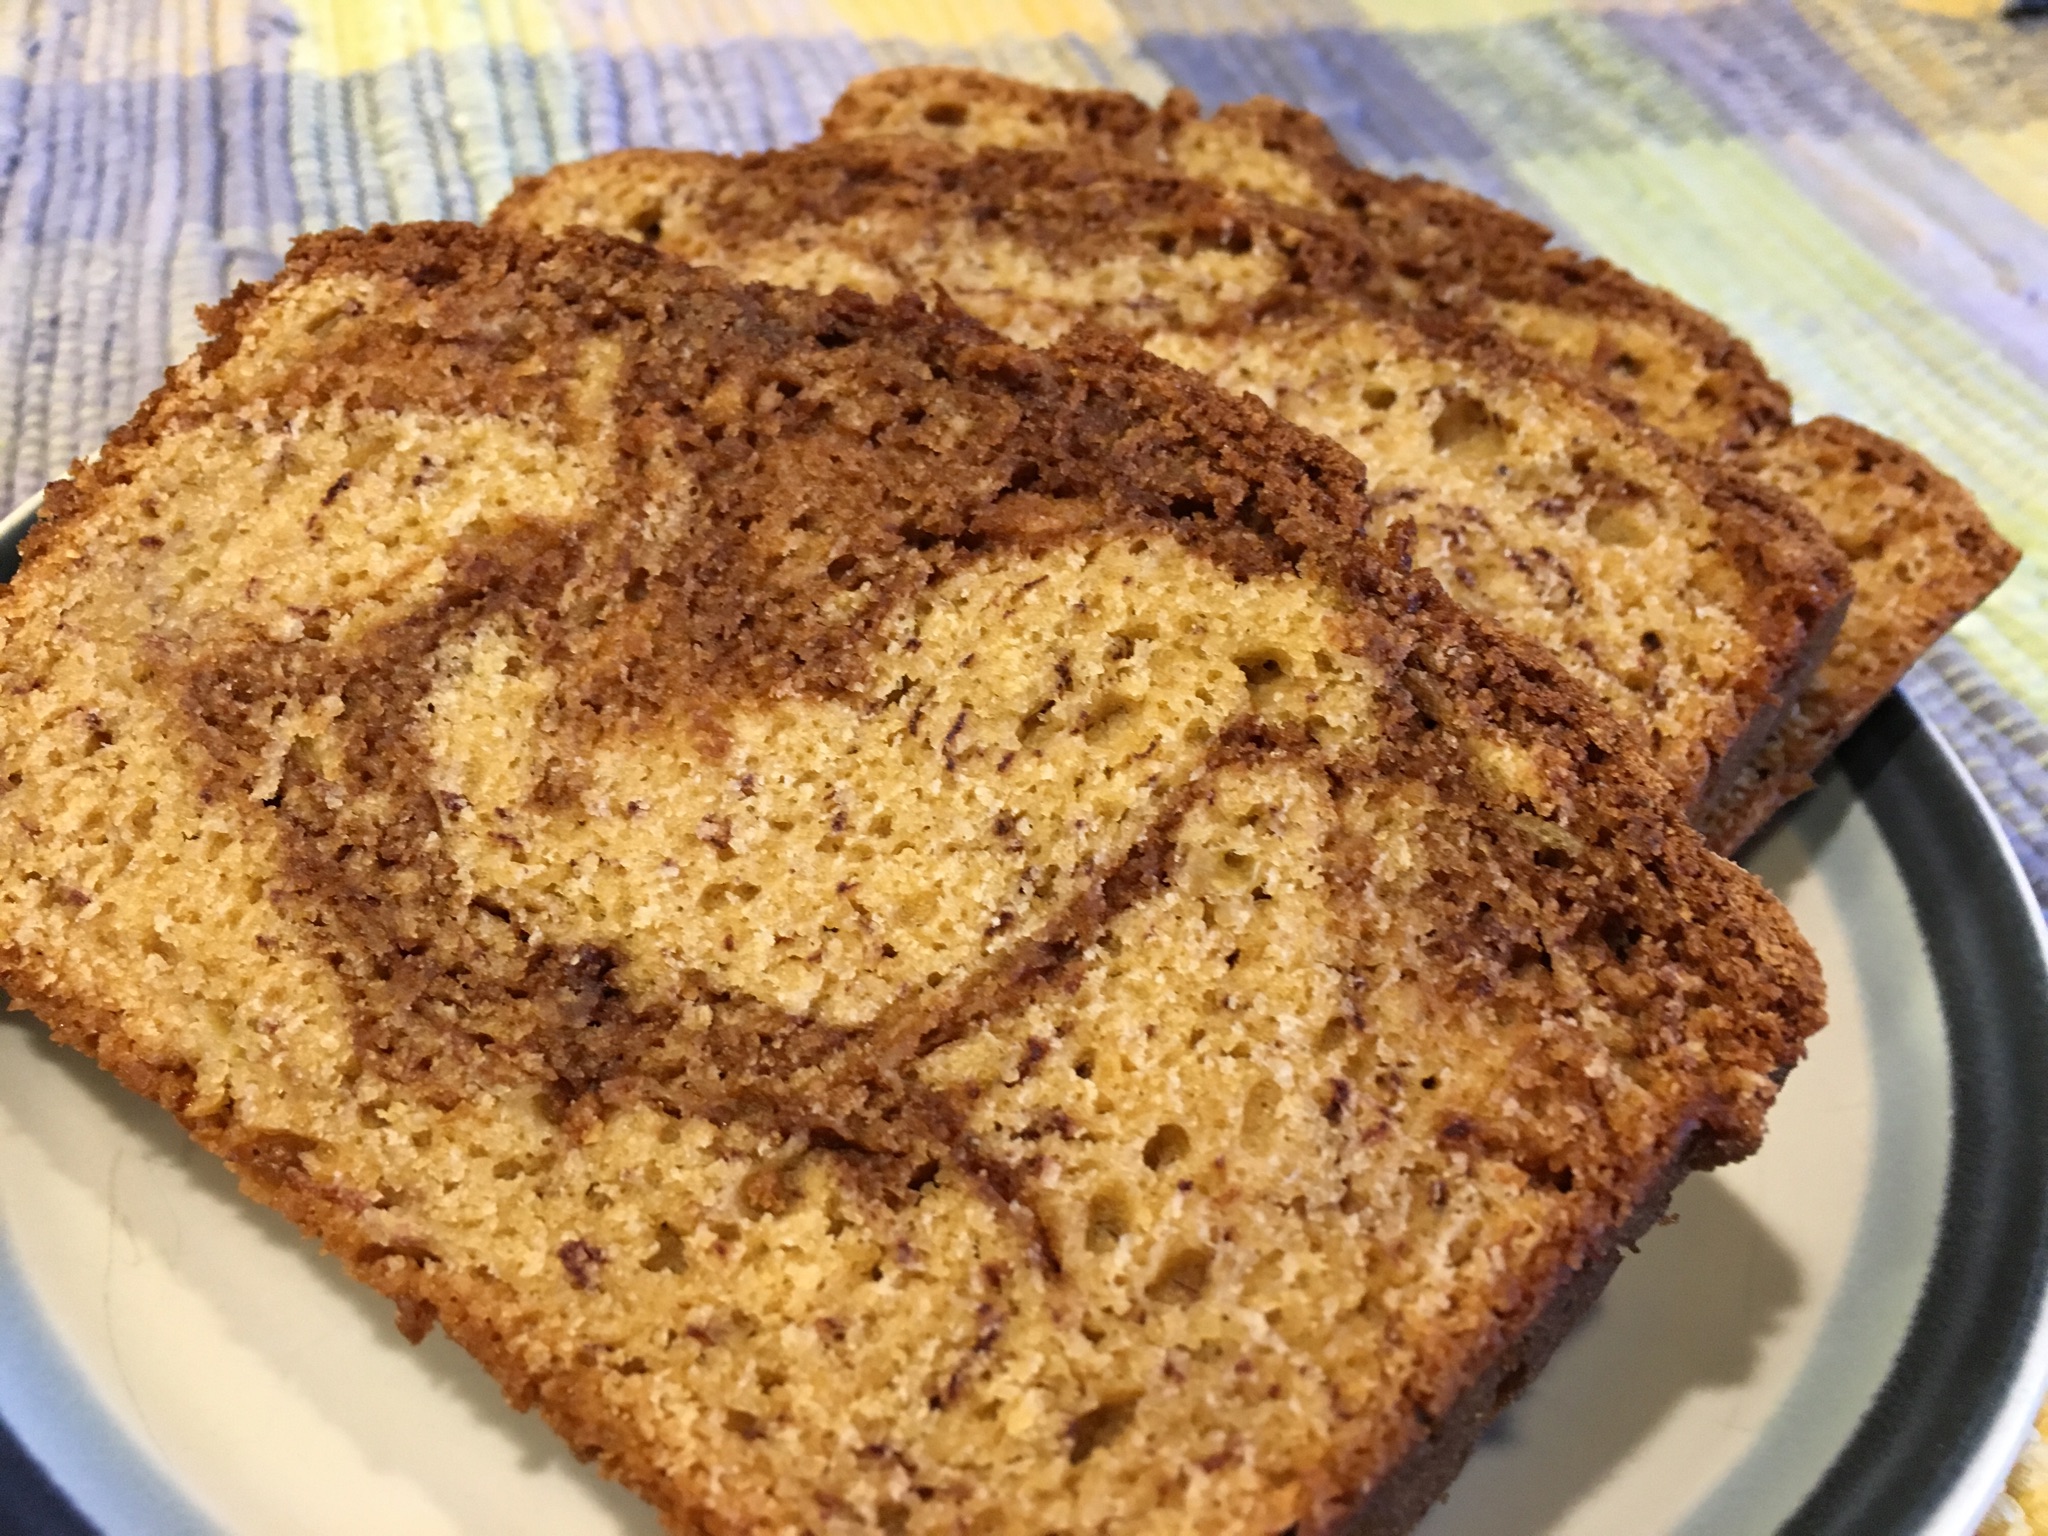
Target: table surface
(1859,187)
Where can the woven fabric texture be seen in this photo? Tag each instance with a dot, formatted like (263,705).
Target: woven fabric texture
(1860,187)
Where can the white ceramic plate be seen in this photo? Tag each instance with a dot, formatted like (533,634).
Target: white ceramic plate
(1839,1335)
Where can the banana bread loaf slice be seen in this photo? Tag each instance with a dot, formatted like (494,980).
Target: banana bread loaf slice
(1921,550)
(1694,601)
(896,931)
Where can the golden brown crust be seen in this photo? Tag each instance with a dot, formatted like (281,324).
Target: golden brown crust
(1923,554)
(1439,246)
(1680,367)
(895,211)
(1607,991)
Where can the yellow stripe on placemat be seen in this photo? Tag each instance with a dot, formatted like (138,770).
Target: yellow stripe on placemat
(1963,74)
(973,24)
(1054,42)
(1969,9)
(2013,162)
(345,37)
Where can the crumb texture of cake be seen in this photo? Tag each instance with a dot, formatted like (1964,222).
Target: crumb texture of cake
(1694,603)
(1920,549)
(897,932)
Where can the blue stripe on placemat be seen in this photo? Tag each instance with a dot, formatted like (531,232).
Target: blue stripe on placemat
(2000,742)
(1382,113)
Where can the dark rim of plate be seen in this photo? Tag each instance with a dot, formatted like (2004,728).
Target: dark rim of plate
(1968,1339)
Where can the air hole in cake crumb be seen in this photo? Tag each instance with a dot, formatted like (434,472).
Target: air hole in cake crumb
(1032,728)
(668,1257)
(1099,1427)
(1334,1036)
(1183,1279)
(1169,1144)
(648,226)
(1620,935)
(1109,1218)
(1126,639)
(721,892)
(743,1424)
(946,114)
(1620,520)
(1378,396)
(1464,425)
(1105,717)
(1260,1107)
(893,1519)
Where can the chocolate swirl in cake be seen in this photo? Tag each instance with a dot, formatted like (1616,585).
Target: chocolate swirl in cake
(900,931)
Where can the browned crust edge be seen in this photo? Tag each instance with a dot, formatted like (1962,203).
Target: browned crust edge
(1901,609)
(1401,1499)
(1512,257)
(1498,251)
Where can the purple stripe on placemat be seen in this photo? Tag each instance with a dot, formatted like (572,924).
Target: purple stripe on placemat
(1768,78)
(2000,742)
(725,97)
(1382,112)
(130,201)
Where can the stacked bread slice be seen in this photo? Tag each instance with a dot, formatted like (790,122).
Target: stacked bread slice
(1694,600)
(1921,551)
(901,913)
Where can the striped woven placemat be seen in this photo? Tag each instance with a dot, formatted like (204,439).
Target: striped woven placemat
(1860,187)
